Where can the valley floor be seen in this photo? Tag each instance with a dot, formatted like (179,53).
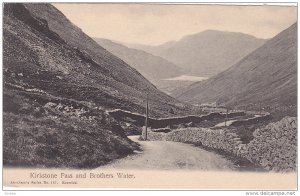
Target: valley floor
(171,156)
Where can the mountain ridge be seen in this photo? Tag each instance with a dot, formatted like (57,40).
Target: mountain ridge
(206,53)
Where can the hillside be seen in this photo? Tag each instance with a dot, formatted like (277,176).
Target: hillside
(152,67)
(267,77)
(109,81)
(206,53)
(58,84)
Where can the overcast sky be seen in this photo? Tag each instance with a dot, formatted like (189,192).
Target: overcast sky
(156,24)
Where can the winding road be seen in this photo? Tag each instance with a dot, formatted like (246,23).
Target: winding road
(171,155)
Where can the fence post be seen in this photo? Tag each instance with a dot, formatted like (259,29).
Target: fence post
(146,122)
(226,116)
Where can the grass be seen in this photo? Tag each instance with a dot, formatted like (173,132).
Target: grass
(38,136)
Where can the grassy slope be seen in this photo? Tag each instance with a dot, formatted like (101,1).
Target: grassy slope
(39,136)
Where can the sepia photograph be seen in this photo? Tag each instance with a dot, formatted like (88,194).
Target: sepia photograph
(172,96)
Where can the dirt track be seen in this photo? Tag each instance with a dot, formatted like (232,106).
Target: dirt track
(171,155)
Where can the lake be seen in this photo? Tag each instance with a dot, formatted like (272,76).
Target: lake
(187,78)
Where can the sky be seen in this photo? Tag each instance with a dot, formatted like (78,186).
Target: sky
(156,24)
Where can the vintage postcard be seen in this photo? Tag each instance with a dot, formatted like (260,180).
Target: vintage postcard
(150,96)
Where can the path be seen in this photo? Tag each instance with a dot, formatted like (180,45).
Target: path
(171,155)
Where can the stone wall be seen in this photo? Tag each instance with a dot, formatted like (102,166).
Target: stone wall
(274,147)
(253,120)
(153,136)
(156,123)
(222,139)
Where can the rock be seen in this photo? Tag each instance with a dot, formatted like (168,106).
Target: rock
(50,105)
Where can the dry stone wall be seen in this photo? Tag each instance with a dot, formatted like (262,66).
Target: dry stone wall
(253,120)
(274,147)
(157,123)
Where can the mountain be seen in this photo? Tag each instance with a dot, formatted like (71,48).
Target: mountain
(58,85)
(206,53)
(267,76)
(154,68)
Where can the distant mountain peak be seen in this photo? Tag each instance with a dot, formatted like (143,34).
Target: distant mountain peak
(212,32)
(206,53)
